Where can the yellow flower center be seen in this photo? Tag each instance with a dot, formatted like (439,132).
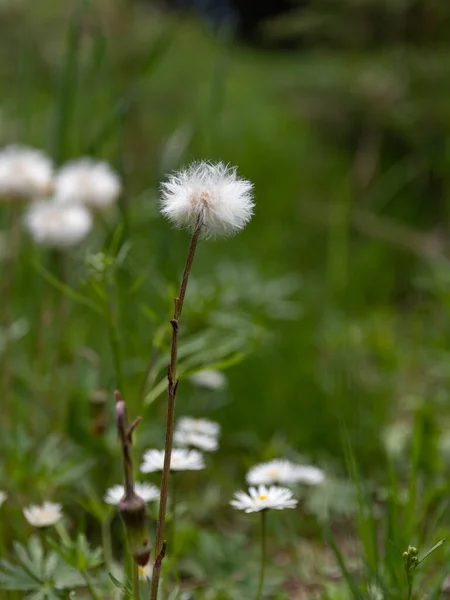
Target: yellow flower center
(262,497)
(272,472)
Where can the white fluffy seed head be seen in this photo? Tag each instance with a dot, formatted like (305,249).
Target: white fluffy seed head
(89,182)
(181,460)
(24,173)
(284,472)
(210,192)
(263,498)
(146,491)
(57,225)
(43,516)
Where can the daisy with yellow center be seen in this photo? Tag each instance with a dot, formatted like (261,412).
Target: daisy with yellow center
(263,498)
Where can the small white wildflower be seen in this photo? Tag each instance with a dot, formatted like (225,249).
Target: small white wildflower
(285,472)
(24,173)
(88,182)
(199,426)
(262,498)
(213,380)
(181,460)
(145,572)
(43,516)
(203,442)
(210,192)
(3,497)
(57,226)
(146,491)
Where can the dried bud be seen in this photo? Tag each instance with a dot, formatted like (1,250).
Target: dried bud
(134,515)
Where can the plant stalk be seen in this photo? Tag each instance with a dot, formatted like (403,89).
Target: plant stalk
(263,555)
(136,583)
(172,392)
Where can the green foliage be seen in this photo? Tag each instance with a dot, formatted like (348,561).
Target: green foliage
(42,576)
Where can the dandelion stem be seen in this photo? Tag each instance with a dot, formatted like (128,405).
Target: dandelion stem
(172,391)
(263,555)
(136,584)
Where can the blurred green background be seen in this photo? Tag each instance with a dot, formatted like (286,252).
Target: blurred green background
(345,138)
(330,311)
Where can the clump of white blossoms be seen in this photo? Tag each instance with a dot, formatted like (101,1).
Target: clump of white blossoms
(180,460)
(200,433)
(209,193)
(88,182)
(285,472)
(146,491)
(43,516)
(57,225)
(209,378)
(263,498)
(24,173)
(3,497)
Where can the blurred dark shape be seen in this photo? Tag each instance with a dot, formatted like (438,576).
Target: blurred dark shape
(247,17)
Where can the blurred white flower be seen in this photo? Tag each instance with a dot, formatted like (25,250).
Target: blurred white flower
(203,442)
(57,226)
(24,173)
(181,460)
(262,498)
(3,497)
(145,572)
(284,471)
(43,516)
(210,192)
(213,380)
(199,426)
(146,491)
(88,182)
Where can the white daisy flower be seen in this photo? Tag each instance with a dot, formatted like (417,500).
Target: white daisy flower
(146,491)
(3,497)
(57,226)
(211,379)
(24,173)
(88,182)
(198,426)
(212,192)
(181,460)
(204,442)
(43,516)
(285,472)
(262,498)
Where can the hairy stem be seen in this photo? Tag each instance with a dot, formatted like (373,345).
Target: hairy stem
(263,555)
(172,392)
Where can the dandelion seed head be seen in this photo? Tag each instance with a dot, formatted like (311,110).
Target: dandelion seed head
(24,173)
(45,515)
(210,192)
(57,225)
(88,182)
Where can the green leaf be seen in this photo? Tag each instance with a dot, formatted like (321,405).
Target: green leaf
(435,547)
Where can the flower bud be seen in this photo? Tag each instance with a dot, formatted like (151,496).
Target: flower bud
(134,515)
